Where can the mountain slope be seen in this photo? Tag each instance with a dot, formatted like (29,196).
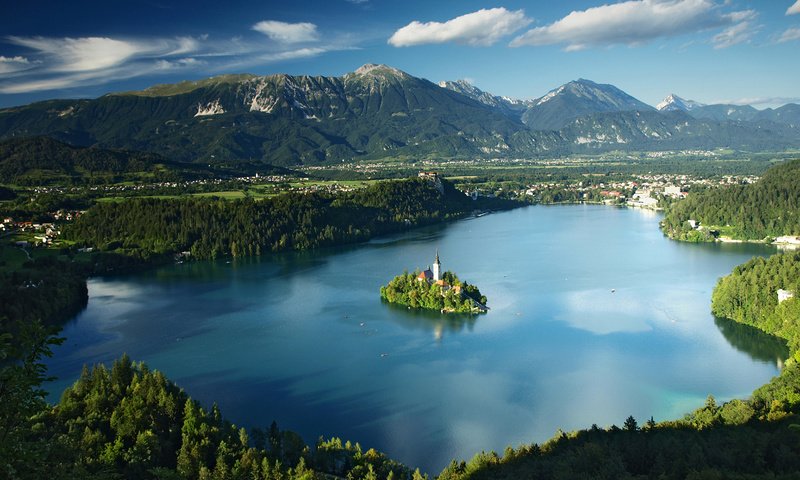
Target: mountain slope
(281,119)
(721,112)
(576,99)
(378,112)
(39,160)
(511,107)
(788,114)
(673,130)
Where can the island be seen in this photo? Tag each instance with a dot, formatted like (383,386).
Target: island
(434,289)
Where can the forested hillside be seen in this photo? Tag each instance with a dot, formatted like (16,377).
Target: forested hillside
(132,423)
(749,295)
(42,160)
(209,228)
(768,208)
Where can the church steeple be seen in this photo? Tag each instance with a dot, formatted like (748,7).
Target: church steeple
(437,268)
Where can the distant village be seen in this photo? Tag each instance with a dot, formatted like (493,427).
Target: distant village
(28,233)
(643,191)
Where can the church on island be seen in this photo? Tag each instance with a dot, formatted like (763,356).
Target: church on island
(434,289)
(434,276)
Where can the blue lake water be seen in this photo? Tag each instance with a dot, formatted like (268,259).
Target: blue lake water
(594,316)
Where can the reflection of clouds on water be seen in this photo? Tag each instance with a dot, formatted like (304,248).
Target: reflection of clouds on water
(632,310)
(304,339)
(603,393)
(603,312)
(454,401)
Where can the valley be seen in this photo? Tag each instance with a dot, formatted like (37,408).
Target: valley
(197,263)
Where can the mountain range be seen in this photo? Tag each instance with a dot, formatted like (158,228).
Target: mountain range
(788,114)
(378,111)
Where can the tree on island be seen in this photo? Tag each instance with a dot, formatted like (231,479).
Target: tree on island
(434,290)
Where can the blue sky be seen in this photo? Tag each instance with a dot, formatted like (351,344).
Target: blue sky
(712,51)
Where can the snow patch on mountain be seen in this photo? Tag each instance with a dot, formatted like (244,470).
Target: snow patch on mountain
(673,102)
(550,95)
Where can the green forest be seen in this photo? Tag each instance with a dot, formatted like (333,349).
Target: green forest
(767,208)
(749,295)
(38,161)
(406,289)
(129,422)
(210,228)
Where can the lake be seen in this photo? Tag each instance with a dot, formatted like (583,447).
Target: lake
(594,316)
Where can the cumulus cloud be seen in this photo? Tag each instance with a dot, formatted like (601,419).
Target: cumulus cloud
(630,23)
(794,9)
(789,35)
(481,28)
(287,32)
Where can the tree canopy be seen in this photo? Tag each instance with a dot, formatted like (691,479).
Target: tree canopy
(767,208)
(453,296)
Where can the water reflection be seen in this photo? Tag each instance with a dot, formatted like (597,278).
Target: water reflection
(587,303)
(752,341)
(428,320)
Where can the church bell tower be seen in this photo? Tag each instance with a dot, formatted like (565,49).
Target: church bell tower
(437,268)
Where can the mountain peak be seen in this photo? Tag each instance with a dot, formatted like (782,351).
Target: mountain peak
(578,98)
(674,102)
(378,69)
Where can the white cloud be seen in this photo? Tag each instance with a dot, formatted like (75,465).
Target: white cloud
(81,54)
(100,53)
(760,101)
(292,54)
(13,64)
(188,62)
(287,32)
(630,23)
(63,63)
(741,16)
(481,28)
(733,35)
(794,9)
(789,35)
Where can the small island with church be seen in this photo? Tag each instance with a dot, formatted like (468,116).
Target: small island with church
(434,289)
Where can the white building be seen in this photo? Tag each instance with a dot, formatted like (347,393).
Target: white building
(788,240)
(437,268)
(784,295)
